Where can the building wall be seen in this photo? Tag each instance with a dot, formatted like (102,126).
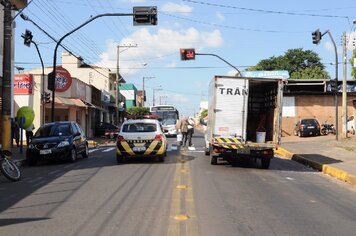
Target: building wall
(321,107)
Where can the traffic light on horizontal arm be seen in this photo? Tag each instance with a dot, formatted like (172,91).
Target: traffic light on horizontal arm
(145,15)
(316,36)
(27,38)
(187,54)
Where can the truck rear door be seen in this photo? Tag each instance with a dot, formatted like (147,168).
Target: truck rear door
(231,99)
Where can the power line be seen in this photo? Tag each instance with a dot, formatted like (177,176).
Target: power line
(226,26)
(263,11)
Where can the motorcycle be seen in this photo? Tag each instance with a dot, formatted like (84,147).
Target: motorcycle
(327,129)
(7,167)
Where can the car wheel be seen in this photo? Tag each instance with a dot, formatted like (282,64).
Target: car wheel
(213,160)
(32,161)
(73,155)
(265,162)
(161,158)
(119,159)
(86,151)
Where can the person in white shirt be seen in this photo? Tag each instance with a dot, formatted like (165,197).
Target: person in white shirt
(190,132)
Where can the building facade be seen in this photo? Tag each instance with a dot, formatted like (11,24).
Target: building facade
(84,94)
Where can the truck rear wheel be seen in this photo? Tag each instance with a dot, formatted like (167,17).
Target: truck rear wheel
(213,160)
(265,161)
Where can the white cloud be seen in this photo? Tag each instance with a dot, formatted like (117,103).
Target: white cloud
(220,16)
(155,45)
(329,46)
(231,73)
(171,7)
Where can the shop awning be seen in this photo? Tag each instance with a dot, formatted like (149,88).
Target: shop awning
(65,102)
(70,101)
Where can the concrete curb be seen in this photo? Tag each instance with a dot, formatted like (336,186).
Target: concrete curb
(326,169)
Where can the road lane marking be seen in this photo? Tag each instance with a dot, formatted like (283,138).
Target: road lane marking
(109,149)
(183,218)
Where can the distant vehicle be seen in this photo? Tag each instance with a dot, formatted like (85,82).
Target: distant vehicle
(327,129)
(244,118)
(62,140)
(106,129)
(168,116)
(307,127)
(141,138)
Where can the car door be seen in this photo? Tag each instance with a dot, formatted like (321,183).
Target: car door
(76,138)
(83,138)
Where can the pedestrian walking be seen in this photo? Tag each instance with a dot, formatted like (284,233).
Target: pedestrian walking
(190,132)
(29,133)
(183,128)
(15,131)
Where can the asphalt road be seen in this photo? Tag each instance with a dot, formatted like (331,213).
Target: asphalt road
(185,195)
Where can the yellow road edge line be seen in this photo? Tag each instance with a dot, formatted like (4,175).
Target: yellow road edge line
(174,225)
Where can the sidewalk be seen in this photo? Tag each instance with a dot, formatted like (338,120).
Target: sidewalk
(323,153)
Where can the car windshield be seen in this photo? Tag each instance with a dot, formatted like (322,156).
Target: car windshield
(170,121)
(53,130)
(309,122)
(139,127)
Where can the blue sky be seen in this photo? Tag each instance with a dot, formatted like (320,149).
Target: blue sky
(242,32)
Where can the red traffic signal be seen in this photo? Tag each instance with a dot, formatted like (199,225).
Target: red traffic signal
(187,54)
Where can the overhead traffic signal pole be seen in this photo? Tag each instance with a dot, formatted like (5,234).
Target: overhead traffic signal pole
(144,15)
(317,36)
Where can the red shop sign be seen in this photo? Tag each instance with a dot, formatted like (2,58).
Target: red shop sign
(23,84)
(63,79)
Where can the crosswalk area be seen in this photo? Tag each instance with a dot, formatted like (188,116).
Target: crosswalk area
(170,148)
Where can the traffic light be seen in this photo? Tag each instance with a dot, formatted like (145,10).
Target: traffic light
(145,15)
(27,38)
(46,97)
(316,36)
(50,81)
(333,86)
(187,54)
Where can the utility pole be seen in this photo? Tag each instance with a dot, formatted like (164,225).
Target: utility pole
(7,86)
(143,89)
(153,97)
(6,80)
(118,79)
(344,86)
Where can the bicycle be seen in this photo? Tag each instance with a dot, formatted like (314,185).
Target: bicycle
(7,167)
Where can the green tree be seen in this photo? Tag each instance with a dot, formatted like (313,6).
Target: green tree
(301,64)
(353,71)
(204,113)
(138,111)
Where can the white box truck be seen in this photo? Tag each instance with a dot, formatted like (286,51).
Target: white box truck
(244,116)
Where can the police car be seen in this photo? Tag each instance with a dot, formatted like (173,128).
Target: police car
(141,138)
